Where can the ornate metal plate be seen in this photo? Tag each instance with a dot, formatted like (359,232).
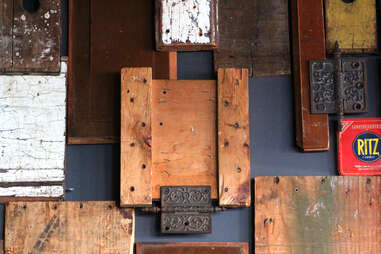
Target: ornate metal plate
(323,86)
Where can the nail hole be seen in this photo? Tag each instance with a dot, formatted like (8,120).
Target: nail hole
(236,125)
(246,145)
(143,166)
(368,181)
(55,207)
(144,80)
(164,92)
(24,207)
(80,205)
(226,189)
(226,143)
(166,228)
(239,170)
(132,144)
(128,91)
(110,206)
(143,124)
(348,1)
(296,189)
(186,223)
(31,6)
(167,31)
(132,188)
(132,100)
(226,103)
(161,124)
(276,180)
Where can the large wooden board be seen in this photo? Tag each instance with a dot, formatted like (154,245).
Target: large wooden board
(255,35)
(233,137)
(184,134)
(353,25)
(311,215)
(193,248)
(68,227)
(312,131)
(119,35)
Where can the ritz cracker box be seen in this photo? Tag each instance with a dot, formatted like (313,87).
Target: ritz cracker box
(359,147)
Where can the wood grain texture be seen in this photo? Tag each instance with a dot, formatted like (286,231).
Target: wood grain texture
(98,50)
(233,137)
(136,164)
(184,134)
(68,227)
(353,25)
(255,35)
(6,22)
(193,248)
(312,131)
(325,215)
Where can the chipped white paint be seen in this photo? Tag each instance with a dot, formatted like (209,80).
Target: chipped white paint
(32,131)
(186,21)
(41,192)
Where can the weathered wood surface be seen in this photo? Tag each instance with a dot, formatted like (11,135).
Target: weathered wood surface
(312,131)
(30,41)
(32,135)
(324,215)
(136,163)
(193,248)
(233,137)
(184,134)
(68,227)
(186,25)
(98,50)
(352,24)
(254,35)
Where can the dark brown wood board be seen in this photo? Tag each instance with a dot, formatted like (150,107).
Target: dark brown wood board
(311,215)
(68,227)
(193,248)
(30,42)
(119,35)
(254,35)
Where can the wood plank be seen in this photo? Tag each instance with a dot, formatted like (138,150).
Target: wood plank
(68,227)
(6,22)
(184,134)
(318,215)
(352,24)
(96,58)
(254,35)
(312,131)
(233,137)
(186,25)
(136,165)
(193,248)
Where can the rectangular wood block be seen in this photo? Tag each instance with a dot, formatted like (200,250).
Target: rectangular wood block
(353,25)
(318,215)
(68,227)
(193,248)
(103,39)
(312,130)
(186,25)
(254,35)
(233,137)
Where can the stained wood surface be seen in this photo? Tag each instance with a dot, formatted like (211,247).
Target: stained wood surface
(119,35)
(6,22)
(233,137)
(184,134)
(68,227)
(352,24)
(136,164)
(312,131)
(193,248)
(318,215)
(255,35)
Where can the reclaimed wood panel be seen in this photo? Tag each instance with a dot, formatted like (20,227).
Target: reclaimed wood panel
(254,35)
(353,24)
(68,227)
(119,35)
(318,215)
(233,137)
(32,135)
(186,25)
(184,134)
(136,164)
(312,130)
(193,248)
(6,22)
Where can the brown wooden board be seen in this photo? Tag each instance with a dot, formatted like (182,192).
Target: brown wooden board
(311,215)
(30,41)
(312,130)
(233,137)
(193,248)
(255,35)
(119,35)
(68,227)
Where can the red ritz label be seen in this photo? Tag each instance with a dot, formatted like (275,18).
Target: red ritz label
(359,147)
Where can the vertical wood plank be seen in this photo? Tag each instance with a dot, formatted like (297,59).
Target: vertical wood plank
(6,23)
(312,131)
(233,137)
(136,164)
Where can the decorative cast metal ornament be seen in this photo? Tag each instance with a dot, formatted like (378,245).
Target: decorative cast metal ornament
(338,86)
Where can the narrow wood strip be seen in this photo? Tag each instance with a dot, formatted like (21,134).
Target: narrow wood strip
(136,166)
(32,191)
(31,175)
(233,137)
(6,23)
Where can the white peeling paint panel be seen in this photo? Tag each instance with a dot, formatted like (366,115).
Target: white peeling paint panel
(20,175)
(186,21)
(40,192)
